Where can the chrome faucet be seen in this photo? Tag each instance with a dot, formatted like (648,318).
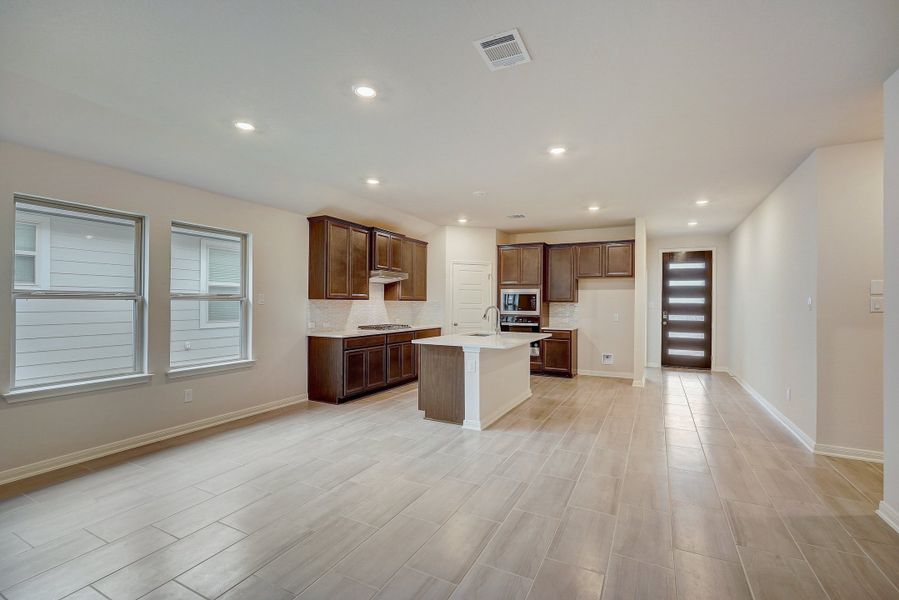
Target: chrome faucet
(487,312)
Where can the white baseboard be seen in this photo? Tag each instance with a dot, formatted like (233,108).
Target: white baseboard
(888,514)
(74,458)
(800,435)
(653,365)
(851,453)
(617,374)
(639,382)
(497,414)
(718,369)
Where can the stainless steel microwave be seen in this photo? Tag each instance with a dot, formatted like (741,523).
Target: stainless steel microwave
(517,301)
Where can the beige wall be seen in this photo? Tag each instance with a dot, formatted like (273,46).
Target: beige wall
(817,236)
(850,255)
(720,299)
(573,236)
(773,271)
(890,504)
(43,429)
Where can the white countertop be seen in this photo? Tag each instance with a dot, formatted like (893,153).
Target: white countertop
(503,341)
(349,333)
(558,328)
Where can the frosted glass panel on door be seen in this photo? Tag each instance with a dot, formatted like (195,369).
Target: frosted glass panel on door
(679,352)
(694,318)
(686,335)
(685,266)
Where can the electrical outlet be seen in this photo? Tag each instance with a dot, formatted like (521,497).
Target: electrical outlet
(260,299)
(188,395)
(789,393)
(876,304)
(187,345)
(608,359)
(616,318)
(311,325)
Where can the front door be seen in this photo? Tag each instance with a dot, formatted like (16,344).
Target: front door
(471,295)
(687,309)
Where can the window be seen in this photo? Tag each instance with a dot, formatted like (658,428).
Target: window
(78,295)
(209,297)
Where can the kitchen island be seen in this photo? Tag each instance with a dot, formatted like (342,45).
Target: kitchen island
(473,379)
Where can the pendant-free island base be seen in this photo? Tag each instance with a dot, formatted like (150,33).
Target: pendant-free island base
(473,379)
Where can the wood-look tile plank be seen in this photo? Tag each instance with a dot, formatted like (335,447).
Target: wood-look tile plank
(150,572)
(760,528)
(453,549)
(260,513)
(884,556)
(521,543)
(376,560)
(522,466)
(687,459)
(487,583)
(628,579)
(438,503)
(865,476)
(332,587)
(546,495)
(847,576)
(410,584)
(200,515)
(602,461)
(827,482)
(584,539)
(690,487)
(703,531)
(253,588)
(596,492)
(298,567)
(646,489)
(175,591)
(645,535)
(814,524)
(87,568)
(739,484)
(559,580)
(15,568)
(702,577)
(565,464)
(859,519)
(780,578)
(494,499)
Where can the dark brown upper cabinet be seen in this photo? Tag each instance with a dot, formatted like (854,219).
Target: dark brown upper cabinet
(590,260)
(521,265)
(561,281)
(386,250)
(338,259)
(619,259)
(414,261)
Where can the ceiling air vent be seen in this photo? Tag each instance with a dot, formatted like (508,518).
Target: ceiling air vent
(515,216)
(503,50)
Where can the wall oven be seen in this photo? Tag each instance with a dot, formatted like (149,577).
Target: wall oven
(523,324)
(518,301)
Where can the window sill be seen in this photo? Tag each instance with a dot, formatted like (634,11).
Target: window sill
(64,389)
(191,371)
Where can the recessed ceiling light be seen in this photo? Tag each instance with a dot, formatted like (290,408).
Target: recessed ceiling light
(593,208)
(462,220)
(373,181)
(365,91)
(244,125)
(557,150)
(479,194)
(702,202)
(89,237)
(692,223)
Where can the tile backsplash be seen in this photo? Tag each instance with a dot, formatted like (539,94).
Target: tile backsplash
(348,314)
(563,314)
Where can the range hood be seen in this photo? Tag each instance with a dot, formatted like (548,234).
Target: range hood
(385,276)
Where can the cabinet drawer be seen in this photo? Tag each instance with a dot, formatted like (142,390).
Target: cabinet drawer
(367,341)
(558,334)
(427,333)
(396,338)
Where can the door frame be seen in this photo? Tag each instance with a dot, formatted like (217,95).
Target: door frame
(491,283)
(658,325)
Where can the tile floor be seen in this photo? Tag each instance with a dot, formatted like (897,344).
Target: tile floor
(593,488)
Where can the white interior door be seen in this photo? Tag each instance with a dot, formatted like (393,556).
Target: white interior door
(472,294)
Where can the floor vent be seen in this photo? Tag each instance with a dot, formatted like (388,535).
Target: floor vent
(503,50)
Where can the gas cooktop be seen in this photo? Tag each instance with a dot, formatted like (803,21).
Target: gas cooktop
(385,326)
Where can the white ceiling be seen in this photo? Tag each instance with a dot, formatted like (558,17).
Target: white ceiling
(660,102)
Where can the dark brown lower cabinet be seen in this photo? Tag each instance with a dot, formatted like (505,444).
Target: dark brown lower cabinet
(559,352)
(341,369)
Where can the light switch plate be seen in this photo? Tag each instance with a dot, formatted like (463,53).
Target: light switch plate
(877,287)
(876,304)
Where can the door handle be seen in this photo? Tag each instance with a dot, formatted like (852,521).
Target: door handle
(664,318)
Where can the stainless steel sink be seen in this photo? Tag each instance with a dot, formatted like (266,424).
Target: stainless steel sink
(479,334)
